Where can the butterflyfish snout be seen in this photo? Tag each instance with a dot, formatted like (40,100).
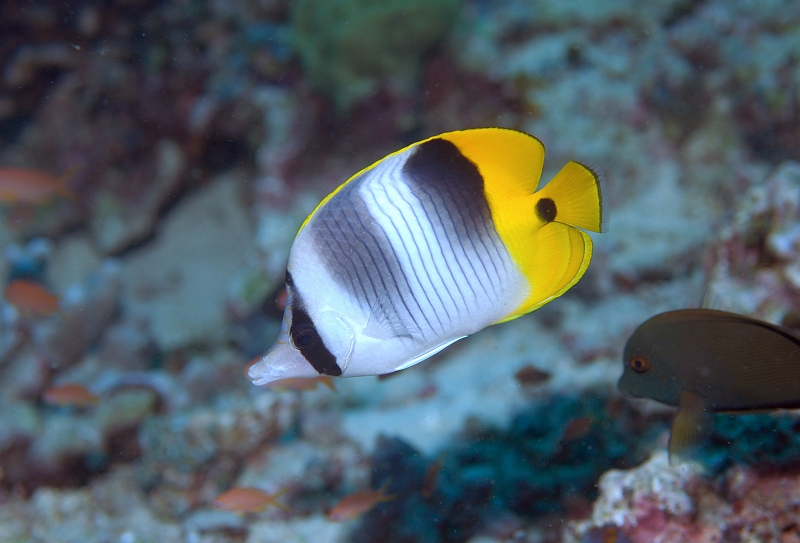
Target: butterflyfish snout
(429,245)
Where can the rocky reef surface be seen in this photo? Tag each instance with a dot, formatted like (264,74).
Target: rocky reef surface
(195,136)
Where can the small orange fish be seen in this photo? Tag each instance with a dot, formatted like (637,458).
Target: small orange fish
(248,500)
(576,428)
(431,480)
(31,186)
(356,504)
(31,297)
(302,383)
(531,376)
(69,395)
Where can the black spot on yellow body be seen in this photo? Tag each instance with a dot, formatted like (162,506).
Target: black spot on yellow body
(546,209)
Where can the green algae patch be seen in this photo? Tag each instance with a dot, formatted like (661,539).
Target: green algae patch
(349,47)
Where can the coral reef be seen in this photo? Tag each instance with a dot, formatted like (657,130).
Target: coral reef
(349,47)
(655,502)
(546,462)
(756,262)
(194,137)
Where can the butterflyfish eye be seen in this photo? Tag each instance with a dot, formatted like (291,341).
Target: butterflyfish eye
(639,364)
(304,336)
(546,209)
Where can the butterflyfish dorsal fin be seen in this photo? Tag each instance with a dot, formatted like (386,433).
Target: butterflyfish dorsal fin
(510,162)
(690,428)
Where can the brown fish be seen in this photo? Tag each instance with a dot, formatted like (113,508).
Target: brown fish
(31,297)
(32,186)
(69,395)
(248,500)
(302,383)
(529,375)
(706,361)
(356,504)
(576,428)
(431,481)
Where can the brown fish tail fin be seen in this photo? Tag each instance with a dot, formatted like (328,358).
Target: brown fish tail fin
(62,189)
(327,380)
(690,427)
(275,503)
(384,497)
(279,505)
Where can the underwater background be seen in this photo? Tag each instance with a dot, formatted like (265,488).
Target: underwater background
(181,143)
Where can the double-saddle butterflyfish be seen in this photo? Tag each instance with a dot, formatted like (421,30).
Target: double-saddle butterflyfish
(426,246)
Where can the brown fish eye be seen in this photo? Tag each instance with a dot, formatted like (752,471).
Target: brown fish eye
(639,364)
(304,336)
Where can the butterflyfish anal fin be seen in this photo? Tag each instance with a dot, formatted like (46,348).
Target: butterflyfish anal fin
(691,426)
(574,197)
(562,257)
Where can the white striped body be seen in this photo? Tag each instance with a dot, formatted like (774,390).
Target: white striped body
(394,268)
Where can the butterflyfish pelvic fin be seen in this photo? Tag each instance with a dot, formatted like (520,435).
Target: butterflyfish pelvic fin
(690,428)
(427,354)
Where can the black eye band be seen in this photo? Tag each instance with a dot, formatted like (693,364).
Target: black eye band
(304,336)
(308,343)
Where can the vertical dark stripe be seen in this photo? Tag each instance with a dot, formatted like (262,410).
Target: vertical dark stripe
(320,358)
(438,167)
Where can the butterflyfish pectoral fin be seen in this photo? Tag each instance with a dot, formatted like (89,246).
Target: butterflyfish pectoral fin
(691,426)
(574,197)
(385,322)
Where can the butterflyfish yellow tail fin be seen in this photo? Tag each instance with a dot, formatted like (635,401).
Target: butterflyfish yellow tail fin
(574,197)
(559,253)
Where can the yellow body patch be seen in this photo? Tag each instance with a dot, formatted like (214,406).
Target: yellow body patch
(551,255)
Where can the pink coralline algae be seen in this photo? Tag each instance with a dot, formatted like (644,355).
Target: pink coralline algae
(656,503)
(755,265)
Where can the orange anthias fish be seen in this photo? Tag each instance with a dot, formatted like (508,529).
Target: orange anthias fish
(248,500)
(531,376)
(302,383)
(31,297)
(431,480)
(356,504)
(31,186)
(69,395)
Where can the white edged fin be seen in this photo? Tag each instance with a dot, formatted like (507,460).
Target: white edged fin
(385,323)
(426,355)
(714,300)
